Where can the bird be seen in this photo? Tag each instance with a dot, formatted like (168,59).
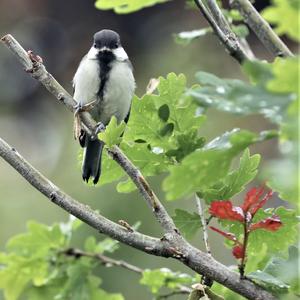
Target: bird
(103,84)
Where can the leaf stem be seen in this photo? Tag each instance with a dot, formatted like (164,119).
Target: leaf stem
(245,243)
(203,223)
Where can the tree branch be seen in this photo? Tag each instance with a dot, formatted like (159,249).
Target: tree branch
(105,260)
(225,34)
(133,172)
(225,27)
(79,210)
(108,261)
(171,245)
(261,28)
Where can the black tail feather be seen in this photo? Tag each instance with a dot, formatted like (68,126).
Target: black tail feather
(91,166)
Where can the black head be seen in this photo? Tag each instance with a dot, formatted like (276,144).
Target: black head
(106,39)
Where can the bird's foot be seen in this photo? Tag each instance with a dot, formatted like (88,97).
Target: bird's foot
(79,107)
(98,128)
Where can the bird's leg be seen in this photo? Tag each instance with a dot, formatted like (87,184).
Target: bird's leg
(78,108)
(98,128)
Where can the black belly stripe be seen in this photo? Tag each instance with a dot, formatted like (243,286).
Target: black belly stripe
(105,59)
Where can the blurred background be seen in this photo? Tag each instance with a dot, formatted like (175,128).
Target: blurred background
(40,128)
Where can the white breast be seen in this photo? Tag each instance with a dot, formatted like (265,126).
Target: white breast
(119,90)
(86,81)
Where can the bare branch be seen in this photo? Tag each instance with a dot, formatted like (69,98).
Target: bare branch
(225,27)
(171,245)
(79,210)
(261,28)
(108,261)
(158,209)
(105,260)
(227,37)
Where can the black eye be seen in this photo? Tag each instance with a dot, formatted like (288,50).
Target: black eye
(116,45)
(94,45)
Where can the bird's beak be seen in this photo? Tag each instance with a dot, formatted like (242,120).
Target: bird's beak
(103,49)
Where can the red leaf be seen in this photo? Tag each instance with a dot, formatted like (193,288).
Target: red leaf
(271,224)
(225,210)
(228,235)
(238,251)
(261,203)
(252,197)
(253,201)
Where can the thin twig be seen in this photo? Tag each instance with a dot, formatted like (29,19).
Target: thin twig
(218,16)
(105,260)
(261,28)
(108,262)
(203,223)
(171,245)
(229,39)
(225,27)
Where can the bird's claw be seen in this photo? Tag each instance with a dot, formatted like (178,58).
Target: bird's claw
(78,107)
(98,128)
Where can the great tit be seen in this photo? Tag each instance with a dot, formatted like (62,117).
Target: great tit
(104,79)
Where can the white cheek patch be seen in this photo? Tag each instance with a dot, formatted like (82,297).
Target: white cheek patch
(92,54)
(120,54)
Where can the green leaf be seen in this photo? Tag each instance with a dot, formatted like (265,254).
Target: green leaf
(240,30)
(285,72)
(106,245)
(125,6)
(17,271)
(238,97)
(110,171)
(285,15)
(259,72)
(202,169)
(186,37)
(27,258)
(287,186)
(286,270)
(112,134)
(126,186)
(38,240)
(162,130)
(148,121)
(188,224)
(280,240)
(158,278)
(269,282)
(235,181)
(276,242)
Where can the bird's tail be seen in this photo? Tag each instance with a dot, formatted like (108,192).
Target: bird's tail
(91,166)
